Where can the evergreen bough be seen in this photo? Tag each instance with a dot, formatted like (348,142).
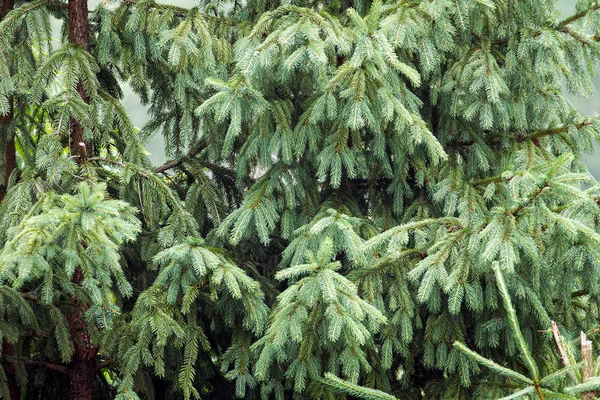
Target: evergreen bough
(364,199)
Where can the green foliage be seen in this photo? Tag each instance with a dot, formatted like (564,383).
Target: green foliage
(370,199)
(318,323)
(534,386)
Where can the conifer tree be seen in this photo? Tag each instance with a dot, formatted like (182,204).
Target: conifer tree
(363,199)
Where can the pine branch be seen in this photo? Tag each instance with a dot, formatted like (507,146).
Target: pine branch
(30,297)
(530,199)
(184,12)
(497,368)
(106,160)
(43,364)
(348,388)
(22,10)
(561,25)
(175,163)
(493,179)
(103,364)
(579,15)
(556,131)
(533,136)
(513,322)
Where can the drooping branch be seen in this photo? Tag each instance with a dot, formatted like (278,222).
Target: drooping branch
(535,135)
(556,131)
(184,12)
(562,24)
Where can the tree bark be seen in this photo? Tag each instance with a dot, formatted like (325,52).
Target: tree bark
(79,34)
(9,165)
(83,371)
(5,121)
(83,365)
(13,389)
(10,159)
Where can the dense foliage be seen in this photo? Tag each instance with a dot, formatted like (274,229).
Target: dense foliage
(365,199)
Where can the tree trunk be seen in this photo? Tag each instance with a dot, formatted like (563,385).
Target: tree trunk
(79,35)
(5,121)
(10,159)
(9,165)
(83,365)
(9,368)
(81,379)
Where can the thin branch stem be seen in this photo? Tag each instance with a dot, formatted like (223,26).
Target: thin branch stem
(44,364)
(561,350)
(175,163)
(579,15)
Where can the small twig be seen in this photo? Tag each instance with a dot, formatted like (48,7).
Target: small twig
(586,356)
(106,160)
(561,350)
(530,199)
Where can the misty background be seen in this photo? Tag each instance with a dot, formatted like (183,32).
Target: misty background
(139,114)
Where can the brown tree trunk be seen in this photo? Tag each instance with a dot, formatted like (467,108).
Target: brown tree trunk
(5,121)
(9,164)
(82,380)
(11,380)
(82,372)
(10,159)
(79,34)
(83,365)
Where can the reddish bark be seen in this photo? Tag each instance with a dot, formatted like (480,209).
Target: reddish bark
(79,34)
(10,159)
(81,380)
(13,389)
(10,165)
(83,365)
(5,121)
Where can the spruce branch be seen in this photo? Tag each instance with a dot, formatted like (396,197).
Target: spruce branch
(562,25)
(19,12)
(534,136)
(183,12)
(347,388)
(514,324)
(175,163)
(557,131)
(579,15)
(105,160)
(41,364)
(530,199)
(30,297)
(493,365)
